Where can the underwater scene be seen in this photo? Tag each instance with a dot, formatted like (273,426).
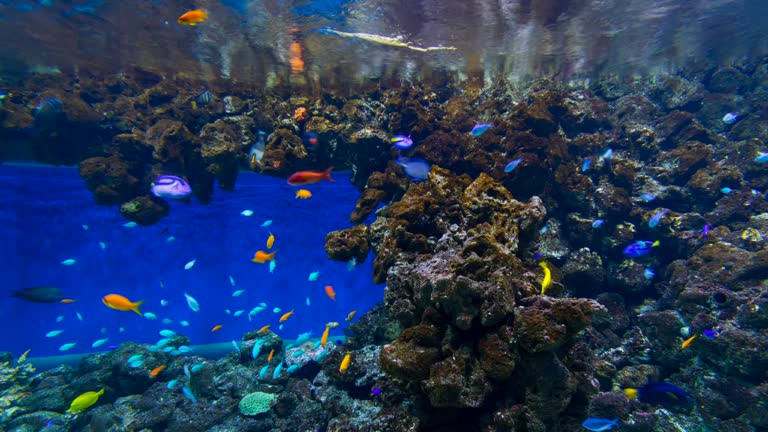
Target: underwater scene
(384,215)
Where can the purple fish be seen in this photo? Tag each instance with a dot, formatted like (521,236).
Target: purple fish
(705,231)
(375,392)
(709,334)
(168,186)
(402,142)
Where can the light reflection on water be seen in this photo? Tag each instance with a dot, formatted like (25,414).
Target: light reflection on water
(251,41)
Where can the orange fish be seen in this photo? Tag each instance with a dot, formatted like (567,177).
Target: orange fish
(67,300)
(330,292)
(156,371)
(286,316)
(350,315)
(193,17)
(270,241)
(345,363)
(303,194)
(688,341)
(324,339)
(302,178)
(271,354)
(261,257)
(216,328)
(263,329)
(116,301)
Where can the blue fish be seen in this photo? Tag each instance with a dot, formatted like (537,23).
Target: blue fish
(276,372)
(640,248)
(600,424)
(293,368)
(416,169)
(512,165)
(659,393)
(761,157)
(607,156)
(480,129)
(648,273)
(300,339)
(188,393)
(321,356)
(401,141)
(709,334)
(263,372)
(647,197)
(597,223)
(48,108)
(726,190)
(730,118)
(656,219)
(257,348)
(586,164)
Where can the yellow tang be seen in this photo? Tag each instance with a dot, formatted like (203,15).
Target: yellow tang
(84,401)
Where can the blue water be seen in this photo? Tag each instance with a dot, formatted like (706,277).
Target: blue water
(42,216)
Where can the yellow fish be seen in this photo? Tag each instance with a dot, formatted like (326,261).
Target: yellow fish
(350,315)
(270,241)
(324,339)
(286,316)
(23,357)
(84,401)
(630,393)
(547,277)
(688,342)
(303,194)
(271,354)
(345,362)
(263,329)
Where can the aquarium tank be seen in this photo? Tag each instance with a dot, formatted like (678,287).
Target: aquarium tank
(384,215)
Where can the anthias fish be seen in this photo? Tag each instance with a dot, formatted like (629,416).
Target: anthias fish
(310,177)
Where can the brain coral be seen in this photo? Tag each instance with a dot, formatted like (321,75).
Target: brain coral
(256,403)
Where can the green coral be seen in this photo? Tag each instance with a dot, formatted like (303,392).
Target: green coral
(256,403)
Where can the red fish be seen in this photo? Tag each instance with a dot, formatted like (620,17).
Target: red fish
(309,177)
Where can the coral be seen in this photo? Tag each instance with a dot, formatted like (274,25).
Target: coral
(256,403)
(346,244)
(145,210)
(300,115)
(108,179)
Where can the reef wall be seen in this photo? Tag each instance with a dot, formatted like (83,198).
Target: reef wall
(464,337)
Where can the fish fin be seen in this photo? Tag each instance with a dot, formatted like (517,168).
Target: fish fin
(327,174)
(135,307)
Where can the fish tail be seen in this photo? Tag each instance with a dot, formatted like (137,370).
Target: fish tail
(135,307)
(100,392)
(327,174)
(656,243)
